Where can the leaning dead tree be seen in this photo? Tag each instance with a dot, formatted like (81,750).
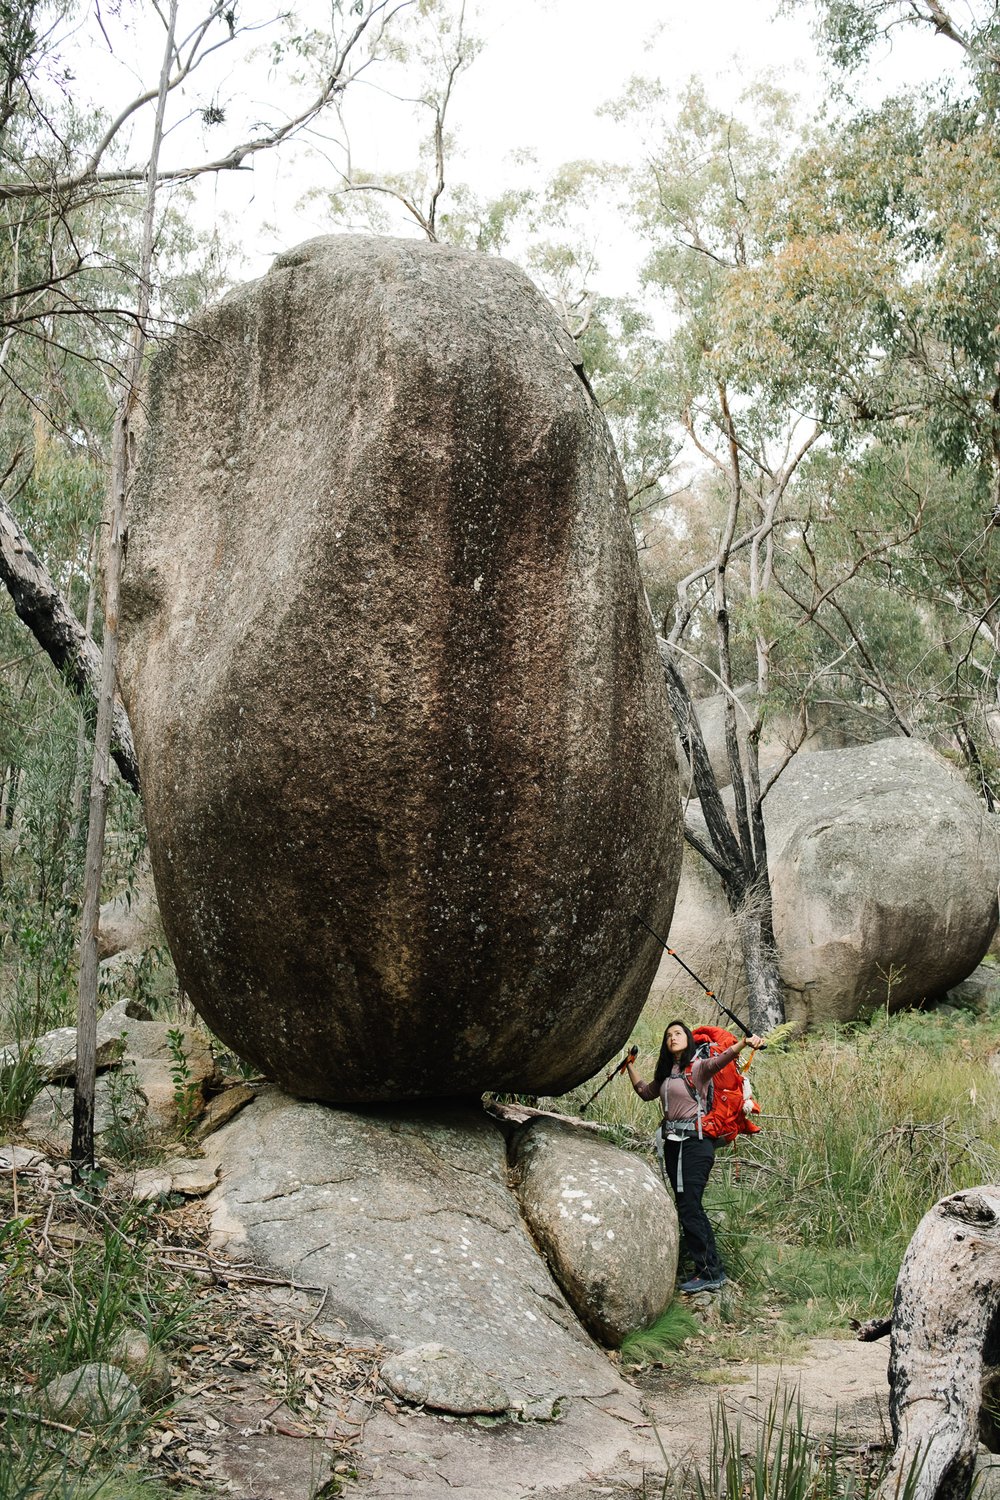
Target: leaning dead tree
(45,611)
(945,1359)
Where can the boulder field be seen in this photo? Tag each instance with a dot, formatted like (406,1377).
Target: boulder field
(397,705)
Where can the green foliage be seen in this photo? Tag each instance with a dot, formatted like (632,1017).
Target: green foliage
(70,1310)
(186,1092)
(19,1083)
(15,1257)
(111,1285)
(127,1136)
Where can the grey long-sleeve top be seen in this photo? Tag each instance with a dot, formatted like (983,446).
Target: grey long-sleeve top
(675,1096)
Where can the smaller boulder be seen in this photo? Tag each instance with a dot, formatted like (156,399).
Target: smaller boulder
(21,1159)
(703,933)
(144,1363)
(979,991)
(445,1380)
(173,1066)
(222,1107)
(154,1090)
(49,1118)
(53,1056)
(186,1175)
(604,1221)
(92,1395)
(130,921)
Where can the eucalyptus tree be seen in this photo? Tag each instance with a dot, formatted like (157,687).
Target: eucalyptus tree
(701,205)
(877,309)
(800,533)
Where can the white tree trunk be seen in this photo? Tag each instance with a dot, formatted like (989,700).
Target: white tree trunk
(82,1150)
(945,1346)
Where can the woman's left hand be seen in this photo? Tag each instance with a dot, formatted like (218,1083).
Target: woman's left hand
(754,1041)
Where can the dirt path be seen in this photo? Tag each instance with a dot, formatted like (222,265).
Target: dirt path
(249,1445)
(837,1383)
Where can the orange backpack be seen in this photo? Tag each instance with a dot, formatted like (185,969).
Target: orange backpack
(730,1100)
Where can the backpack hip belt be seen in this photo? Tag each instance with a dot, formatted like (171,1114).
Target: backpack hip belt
(679,1127)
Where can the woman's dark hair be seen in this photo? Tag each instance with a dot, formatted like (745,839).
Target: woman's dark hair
(666,1059)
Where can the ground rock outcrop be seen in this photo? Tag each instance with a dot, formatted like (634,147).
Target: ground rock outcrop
(393,682)
(604,1221)
(884,869)
(408,1220)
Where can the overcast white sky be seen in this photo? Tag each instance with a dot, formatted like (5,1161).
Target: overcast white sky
(546,68)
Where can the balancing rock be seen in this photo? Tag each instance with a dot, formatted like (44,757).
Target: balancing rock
(404,742)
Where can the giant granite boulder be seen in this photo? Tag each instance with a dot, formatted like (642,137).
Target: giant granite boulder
(393,683)
(884,869)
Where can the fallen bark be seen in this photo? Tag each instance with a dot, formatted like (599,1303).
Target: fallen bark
(945,1347)
(55,627)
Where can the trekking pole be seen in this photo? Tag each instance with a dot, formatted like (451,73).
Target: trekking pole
(710,993)
(633,1053)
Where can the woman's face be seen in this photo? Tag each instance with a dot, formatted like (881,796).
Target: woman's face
(676,1040)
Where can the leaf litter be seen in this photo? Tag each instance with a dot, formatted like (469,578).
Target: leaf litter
(257,1379)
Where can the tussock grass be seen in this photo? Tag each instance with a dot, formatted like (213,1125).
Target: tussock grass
(64,1308)
(667,1334)
(782,1462)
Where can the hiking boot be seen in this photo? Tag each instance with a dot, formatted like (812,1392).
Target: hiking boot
(704,1283)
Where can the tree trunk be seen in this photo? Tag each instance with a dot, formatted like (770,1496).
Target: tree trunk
(82,1151)
(945,1347)
(741,863)
(765,990)
(55,627)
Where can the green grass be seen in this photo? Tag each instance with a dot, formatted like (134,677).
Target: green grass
(665,1336)
(782,1462)
(61,1310)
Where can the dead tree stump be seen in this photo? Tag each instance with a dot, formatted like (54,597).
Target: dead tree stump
(945,1347)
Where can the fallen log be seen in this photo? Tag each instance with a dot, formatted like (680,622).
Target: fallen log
(945,1348)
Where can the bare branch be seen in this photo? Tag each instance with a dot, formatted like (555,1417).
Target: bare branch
(380,13)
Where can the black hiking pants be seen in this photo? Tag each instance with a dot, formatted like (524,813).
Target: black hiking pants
(697,1237)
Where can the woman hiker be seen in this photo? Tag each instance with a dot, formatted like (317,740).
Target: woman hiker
(681,1083)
